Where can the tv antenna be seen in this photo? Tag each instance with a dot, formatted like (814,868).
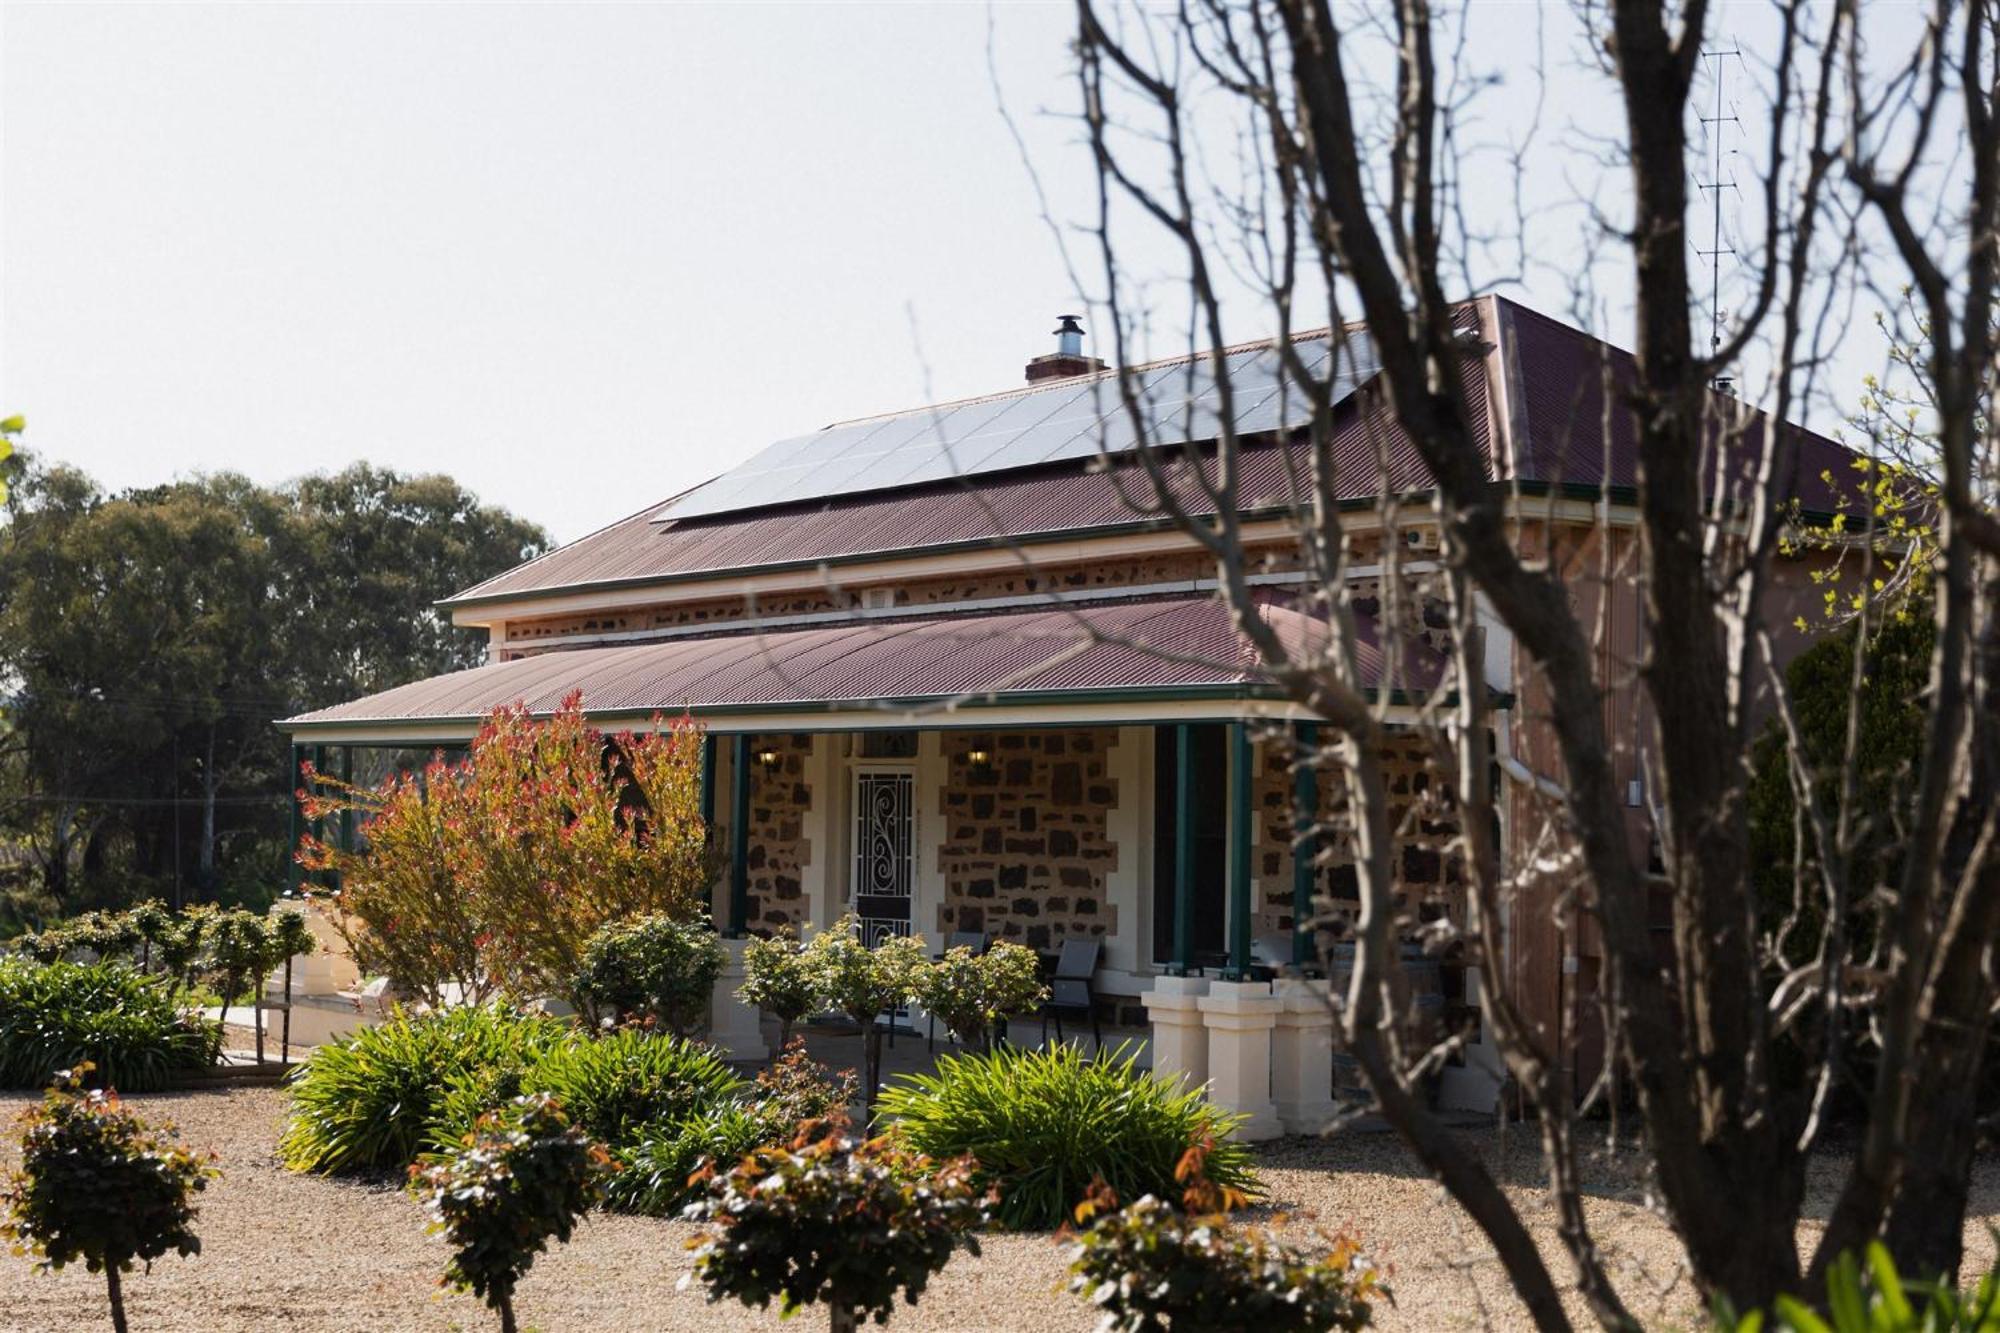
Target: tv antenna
(1725,114)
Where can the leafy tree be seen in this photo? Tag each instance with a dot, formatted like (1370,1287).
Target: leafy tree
(834,1222)
(865,983)
(654,967)
(778,977)
(524,1176)
(98,1184)
(149,637)
(496,871)
(971,992)
(1151,1267)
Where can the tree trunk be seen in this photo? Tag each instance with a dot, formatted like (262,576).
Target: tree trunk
(842,1320)
(257,1014)
(206,856)
(506,1307)
(285,1040)
(871,1067)
(117,1290)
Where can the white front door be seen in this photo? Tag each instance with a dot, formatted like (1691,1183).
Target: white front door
(885,851)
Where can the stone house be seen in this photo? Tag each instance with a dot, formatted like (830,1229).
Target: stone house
(953,681)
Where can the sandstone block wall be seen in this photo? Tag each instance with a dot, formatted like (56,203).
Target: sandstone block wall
(1027,843)
(1423,818)
(779,799)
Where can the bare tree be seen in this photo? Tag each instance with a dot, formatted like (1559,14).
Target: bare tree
(1252,135)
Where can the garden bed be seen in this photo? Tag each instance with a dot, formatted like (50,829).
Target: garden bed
(284,1250)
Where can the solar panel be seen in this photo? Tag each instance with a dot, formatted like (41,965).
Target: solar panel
(1062,420)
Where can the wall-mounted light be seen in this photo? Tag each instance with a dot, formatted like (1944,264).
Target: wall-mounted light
(768,758)
(979,757)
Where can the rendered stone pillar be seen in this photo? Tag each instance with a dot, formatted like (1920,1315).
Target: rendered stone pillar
(1240,1017)
(1302,1057)
(1180,1038)
(733,1025)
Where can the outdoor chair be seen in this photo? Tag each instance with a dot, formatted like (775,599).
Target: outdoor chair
(976,940)
(1072,988)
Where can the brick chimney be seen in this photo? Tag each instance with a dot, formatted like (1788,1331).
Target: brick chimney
(1068,359)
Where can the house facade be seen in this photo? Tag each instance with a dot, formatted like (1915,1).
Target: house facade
(955,679)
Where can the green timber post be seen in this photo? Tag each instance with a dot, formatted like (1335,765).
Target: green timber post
(1183,849)
(319,755)
(1240,758)
(347,810)
(292,823)
(707,784)
(739,836)
(1305,839)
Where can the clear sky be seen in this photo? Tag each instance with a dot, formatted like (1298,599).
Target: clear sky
(580,257)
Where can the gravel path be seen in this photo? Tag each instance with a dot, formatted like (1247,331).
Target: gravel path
(295,1252)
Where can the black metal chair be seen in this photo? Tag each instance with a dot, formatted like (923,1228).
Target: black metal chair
(976,940)
(1072,987)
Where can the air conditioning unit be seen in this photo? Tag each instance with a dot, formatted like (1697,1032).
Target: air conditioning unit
(877,599)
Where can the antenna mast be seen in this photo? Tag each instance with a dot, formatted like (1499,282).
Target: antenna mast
(1715,186)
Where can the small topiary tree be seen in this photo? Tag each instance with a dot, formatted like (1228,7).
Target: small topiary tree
(777,976)
(98,1184)
(865,983)
(290,937)
(152,919)
(652,966)
(524,1175)
(239,954)
(1151,1268)
(831,1221)
(971,992)
(796,1091)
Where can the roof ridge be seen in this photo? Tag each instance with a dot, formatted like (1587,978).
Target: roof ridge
(1070,381)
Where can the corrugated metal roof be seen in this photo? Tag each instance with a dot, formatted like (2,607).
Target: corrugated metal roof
(1075,417)
(991,658)
(1562,376)
(1061,498)
(1557,372)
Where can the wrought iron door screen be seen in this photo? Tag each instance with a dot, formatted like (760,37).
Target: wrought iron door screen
(885,852)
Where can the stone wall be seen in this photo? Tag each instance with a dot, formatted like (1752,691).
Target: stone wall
(779,799)
(1027,842)
(1423,818)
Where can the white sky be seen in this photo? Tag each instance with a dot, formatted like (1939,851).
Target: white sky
(579,257)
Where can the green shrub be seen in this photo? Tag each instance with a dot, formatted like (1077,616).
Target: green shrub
(97,1184)
(373,1100)
(654,1174)
(525,1176)
(1875,1298)
(653,966)
(777,976)
(61,1015)
(795,1090)
(1044,1124)
(844,1224)
(864,983)
(971,992)
(627,1085)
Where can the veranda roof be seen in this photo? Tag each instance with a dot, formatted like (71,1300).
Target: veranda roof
(1133,658)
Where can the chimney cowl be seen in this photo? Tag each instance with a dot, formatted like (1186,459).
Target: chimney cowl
(1068,360)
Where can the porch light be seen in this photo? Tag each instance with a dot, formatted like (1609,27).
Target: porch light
(979,756)
(768,758)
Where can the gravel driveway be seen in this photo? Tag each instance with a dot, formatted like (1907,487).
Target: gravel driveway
(286,1251)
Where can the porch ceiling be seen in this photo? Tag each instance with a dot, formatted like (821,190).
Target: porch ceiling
(1128,656)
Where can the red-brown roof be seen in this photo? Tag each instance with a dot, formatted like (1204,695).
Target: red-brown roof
(1555,377)
(1178,645)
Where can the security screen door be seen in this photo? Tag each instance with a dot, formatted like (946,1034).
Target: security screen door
(885,851)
